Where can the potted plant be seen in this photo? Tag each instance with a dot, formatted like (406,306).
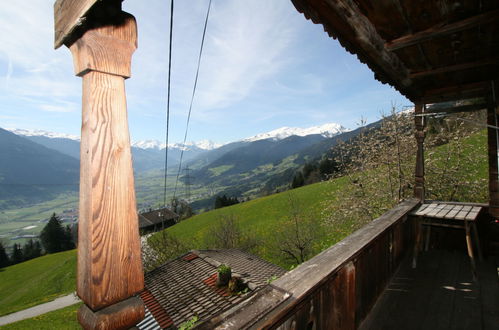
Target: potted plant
(224,275)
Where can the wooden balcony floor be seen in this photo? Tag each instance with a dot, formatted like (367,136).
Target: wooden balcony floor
(439,294)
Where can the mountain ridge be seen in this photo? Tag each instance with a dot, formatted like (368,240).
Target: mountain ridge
(326,130)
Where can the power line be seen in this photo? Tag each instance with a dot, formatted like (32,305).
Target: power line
(192,97)
(168,100)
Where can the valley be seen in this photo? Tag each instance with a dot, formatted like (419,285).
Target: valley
(238,169)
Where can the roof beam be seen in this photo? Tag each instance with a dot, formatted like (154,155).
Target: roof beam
(440,30)
(454,68)
(353,27)
(460,108)
(69,16)
(457,92)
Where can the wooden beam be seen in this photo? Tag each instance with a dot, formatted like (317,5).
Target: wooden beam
(419,121)
(343,20)
(109,252)
(454,68)
(456,92)
(441,30)
(119,316)
(69,15)
(371,43)
(493,146)
(460,108)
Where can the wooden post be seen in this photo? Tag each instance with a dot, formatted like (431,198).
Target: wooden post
(492,136)
(419,121)
(110,271)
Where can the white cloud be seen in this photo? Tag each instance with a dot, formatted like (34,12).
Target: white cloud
(247,43)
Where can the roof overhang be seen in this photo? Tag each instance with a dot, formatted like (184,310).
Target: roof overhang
(430,51)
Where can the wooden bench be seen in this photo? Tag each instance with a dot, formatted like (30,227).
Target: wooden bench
(450,216)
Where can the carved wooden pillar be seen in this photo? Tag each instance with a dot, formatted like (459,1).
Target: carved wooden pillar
(419,121)
(109,259)
(492,135)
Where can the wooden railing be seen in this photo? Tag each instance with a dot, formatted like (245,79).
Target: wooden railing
(337,288)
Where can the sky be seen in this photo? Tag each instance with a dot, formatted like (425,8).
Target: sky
(264,66)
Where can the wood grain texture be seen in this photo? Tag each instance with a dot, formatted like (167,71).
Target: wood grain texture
(419,121)
(109,254)
(106,49)
(69,15)
(440,30)
(118,316)
(492,138)
(337,288)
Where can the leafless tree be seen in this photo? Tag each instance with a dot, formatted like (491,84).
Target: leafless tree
(297,236)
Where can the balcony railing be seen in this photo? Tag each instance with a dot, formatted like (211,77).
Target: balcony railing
(337,288)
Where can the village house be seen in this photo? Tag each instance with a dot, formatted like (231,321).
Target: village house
(155,220)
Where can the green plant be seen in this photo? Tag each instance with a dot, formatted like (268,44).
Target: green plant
(189,324)
(271,279)
(224,269)
(236,286)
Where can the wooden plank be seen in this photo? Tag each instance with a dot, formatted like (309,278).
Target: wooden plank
(446,209)
(430,208)
(419,124)
(441,30)
(453,68)
(456,92)
(455,210)
(69,14)
(123,315)
(463,213)
(461,108)
(354,29)
(420,209)
(314,272)
(435,210)
(344,299)
(471,216)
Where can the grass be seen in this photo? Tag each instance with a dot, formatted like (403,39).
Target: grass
(263,217)
(43,279)
(216,171)
(64,318)
(37,281)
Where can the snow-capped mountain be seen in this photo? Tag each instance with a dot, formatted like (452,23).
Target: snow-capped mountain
(149,144)
(326,130)
(155,144)
(39,132)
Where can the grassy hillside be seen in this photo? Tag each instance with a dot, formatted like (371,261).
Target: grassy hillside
(64,318)
(455,171)
(264,217)
(37,281)
(43,279)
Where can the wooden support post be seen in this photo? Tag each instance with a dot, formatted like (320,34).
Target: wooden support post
(419,121)
(109,255)
(493,136)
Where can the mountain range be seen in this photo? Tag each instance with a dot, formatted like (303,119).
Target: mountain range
(242,168)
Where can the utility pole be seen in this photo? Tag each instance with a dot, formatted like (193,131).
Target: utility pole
(187,183)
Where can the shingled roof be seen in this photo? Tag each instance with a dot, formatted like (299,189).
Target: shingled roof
(185,287)
(157,217)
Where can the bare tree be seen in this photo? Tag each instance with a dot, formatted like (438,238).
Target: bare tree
(377,165)
(297,236)
(159,248)
(226,233)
